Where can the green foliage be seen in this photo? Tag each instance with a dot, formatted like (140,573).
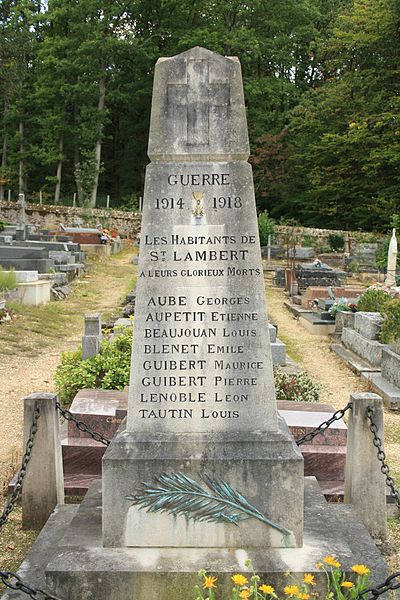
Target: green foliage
(2,225)
(309,241)
(298,387)
(336,242)
(8,280)
(266,227)
(108,370)
(390,332)
(373,300)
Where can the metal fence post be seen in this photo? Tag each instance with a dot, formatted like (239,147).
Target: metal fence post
(43,486)
(365,487)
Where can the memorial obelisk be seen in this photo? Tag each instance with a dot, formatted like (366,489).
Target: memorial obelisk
(204,461)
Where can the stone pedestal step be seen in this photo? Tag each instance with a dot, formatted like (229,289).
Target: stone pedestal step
(68,556)
(315,325)
(389,392)
(352,360)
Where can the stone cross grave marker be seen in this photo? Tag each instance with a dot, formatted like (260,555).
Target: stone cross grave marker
(202,407)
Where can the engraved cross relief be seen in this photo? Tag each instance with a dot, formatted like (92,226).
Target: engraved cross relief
(198,95)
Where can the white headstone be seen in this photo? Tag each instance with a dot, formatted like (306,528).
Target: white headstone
(390,280)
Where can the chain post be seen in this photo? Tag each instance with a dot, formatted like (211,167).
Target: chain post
(395,493)
(364,482)
(43,487)
(22,471)
(339,414)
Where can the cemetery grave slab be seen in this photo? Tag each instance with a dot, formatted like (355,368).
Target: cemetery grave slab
(352,360)
(68,556)
(380,385)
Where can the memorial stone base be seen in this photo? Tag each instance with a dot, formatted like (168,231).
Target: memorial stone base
(267,468)
(68,557)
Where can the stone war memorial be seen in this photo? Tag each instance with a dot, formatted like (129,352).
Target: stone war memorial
(204,473)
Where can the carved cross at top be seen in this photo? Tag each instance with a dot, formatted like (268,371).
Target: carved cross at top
(197,96)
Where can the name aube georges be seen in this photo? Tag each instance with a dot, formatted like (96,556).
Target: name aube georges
(191,343)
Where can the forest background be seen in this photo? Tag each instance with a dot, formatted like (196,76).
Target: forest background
(322,90)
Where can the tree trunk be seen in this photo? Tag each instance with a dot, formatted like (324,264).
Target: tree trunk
(78,184)
(100,108)
(79,189)
(4,152)
(21,179)
(59,170)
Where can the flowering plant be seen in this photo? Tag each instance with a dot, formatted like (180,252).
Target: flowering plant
(339,586)
(342,305)
(298,387)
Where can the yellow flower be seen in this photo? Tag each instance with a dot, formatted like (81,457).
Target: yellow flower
(266,589)
(331,560)
(209,582)
(302,596)
(239,579)
(291,590)
(319,565)
(308,578)
(360,569)
(347,584)
(244,594)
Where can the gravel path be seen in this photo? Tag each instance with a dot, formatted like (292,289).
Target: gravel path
(23,375)
(313,354)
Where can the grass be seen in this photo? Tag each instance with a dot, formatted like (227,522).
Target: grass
(40,326)
(14,542)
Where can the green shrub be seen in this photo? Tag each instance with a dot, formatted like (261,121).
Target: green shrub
(266,227)
(336,242)
(8,280)
(108,370)
(298,387)
(373,300)
(390,332)
(2,225)
(309,241)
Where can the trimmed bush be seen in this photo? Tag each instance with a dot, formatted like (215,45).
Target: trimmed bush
(297,387)
(373,300)
(108,370)
(8,281)
(390,332)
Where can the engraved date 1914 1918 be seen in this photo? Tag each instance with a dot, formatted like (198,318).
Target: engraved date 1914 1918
(217,202)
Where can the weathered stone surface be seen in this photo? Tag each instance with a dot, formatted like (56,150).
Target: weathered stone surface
(362,465)
(72,544)
(198,108)
(201,396)
(249,462)
(202,284)
(389,392)
(390,366)
(272,332)
(370,350)
(344,319)
(278,352)
(368,324)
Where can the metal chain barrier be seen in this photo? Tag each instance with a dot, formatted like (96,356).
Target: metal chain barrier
(22,471)
(14,582)
(339,414)
(82,426)
(382,457)
(389,585)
